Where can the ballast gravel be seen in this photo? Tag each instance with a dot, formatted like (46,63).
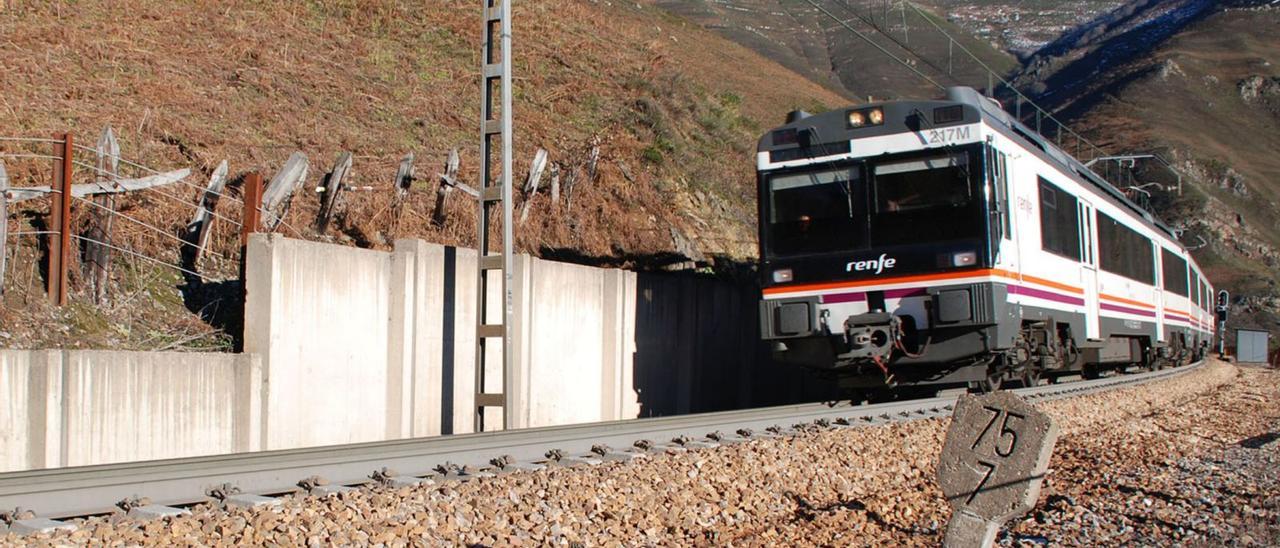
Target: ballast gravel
(1192,460)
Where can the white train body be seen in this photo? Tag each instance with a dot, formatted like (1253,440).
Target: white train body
(948,243)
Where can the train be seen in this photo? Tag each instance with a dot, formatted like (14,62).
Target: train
(943,242)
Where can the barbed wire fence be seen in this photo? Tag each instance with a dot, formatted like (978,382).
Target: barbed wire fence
(103,230)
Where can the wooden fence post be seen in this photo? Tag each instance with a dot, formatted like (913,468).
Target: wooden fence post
(278,194)
(201,225)
(60,221)
(4,224)
(252,220)
(404,180)
(531,184)
(331,190)
(96,266)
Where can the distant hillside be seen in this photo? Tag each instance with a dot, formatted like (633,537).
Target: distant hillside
(799,36)
(1198,82)
(1021,27)
(675,109)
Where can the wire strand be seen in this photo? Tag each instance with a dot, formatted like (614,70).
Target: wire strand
(140,255)
(136,221)
(156,189)
(29,155)
(1001,79)
(874,44)
(122,160)
(31,140)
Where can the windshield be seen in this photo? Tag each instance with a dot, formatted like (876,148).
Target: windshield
(924,200)
(914,200)
(817,211)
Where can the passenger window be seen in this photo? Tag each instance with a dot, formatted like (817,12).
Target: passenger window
(1059,226)
(1125,252)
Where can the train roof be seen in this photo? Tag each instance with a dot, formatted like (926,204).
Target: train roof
(903,116)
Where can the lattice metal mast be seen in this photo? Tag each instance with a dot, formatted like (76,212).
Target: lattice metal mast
(495,72)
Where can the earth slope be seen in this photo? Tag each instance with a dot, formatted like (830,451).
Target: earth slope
(676,111)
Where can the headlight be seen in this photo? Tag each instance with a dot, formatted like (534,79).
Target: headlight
(857,119)
(782,275)
(876,116)
(866,117)
(966,258)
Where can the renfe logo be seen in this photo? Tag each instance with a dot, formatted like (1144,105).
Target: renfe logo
(878,265)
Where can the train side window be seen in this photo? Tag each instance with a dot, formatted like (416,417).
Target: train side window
(999,179)
(1059,222)
(1123,251)
(1003,190)
(1174,271)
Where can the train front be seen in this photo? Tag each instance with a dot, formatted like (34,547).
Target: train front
(876,234)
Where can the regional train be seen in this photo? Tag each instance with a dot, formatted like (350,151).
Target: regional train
(945,243)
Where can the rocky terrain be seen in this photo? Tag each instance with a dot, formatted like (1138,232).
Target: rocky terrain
(1191,460)
(1196,83)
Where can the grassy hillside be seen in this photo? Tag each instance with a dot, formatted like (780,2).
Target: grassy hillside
(801,37)
(675,109)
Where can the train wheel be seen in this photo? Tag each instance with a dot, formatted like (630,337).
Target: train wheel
(1032,377)
(992,383)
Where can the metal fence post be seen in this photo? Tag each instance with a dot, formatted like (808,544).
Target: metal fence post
(252,206)
(60,221)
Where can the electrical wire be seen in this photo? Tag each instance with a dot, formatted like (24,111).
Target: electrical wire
(875,45)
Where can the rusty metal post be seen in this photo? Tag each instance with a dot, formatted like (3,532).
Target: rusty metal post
(60,221)
(252,206)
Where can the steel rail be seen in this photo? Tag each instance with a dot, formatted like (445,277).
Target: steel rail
(90,490)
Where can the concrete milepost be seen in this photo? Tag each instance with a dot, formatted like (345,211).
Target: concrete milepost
(992,464)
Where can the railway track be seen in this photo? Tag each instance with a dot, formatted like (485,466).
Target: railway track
(253,478)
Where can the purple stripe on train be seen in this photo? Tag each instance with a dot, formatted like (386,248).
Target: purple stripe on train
(862,296)
(1046,295)
(1127,310)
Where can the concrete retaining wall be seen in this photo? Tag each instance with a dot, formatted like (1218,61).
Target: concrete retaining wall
(348,345)
(79,407)
(378,345)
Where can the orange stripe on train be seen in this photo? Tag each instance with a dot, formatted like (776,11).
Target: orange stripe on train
(922,278)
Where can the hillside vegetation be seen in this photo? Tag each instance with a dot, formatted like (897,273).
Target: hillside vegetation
(1197,82)
(802,37)
(674,109)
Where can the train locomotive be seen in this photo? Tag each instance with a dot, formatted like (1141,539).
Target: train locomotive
(943,242)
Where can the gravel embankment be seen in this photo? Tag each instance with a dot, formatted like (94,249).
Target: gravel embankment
(1191,460)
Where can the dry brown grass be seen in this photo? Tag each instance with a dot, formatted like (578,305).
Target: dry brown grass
(189,83)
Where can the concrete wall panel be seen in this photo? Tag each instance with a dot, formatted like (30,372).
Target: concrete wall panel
(15,410)
(123,406)
(81,407)
(566,344)
(320,317)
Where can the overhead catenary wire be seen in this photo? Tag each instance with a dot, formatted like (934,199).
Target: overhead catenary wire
(875,45)
(906,47)
(1061,126)
(1001,79)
